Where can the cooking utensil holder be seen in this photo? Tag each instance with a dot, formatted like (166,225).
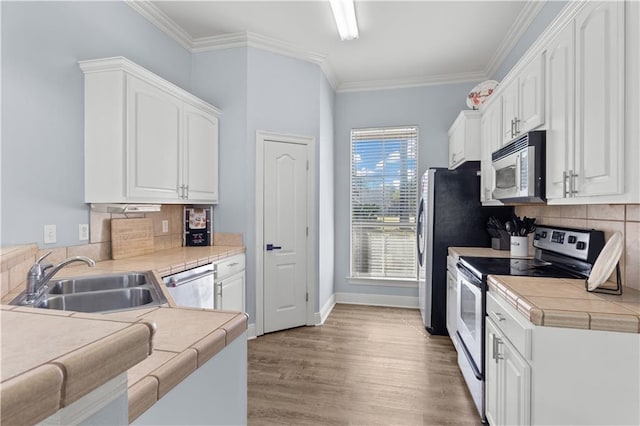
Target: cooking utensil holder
(617,291)
(519,246)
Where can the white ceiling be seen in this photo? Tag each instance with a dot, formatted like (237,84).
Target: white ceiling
(402,43)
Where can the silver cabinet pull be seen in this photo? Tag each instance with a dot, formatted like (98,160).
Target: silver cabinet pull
(499,316)
(512,128)
(572,186)
(516,130)
(565,191)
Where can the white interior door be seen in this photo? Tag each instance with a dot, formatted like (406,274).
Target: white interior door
(285,235)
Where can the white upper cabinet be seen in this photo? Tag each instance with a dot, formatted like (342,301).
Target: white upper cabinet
(560,111)
(491,133)
(599,119)
(201,154)
(585,105)
(523,100)
(146,140)
(464,138)
(153,142)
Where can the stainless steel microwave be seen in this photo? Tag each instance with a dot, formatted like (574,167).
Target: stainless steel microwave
(519,169)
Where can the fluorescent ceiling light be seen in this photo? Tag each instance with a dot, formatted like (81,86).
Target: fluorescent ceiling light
(344,13)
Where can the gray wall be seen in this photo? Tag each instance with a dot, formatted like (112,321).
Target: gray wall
(326,206)
(43,104)
(546,15)
(432,108)
(260,90)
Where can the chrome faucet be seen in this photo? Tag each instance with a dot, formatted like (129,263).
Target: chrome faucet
(38,277)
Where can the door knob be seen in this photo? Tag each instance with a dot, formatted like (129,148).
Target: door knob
(272,247)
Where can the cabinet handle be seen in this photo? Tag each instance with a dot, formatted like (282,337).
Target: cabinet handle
(496,354)
(182,191)
(516,122)
(565,192)
(572,186)
(499,316)
(512,131)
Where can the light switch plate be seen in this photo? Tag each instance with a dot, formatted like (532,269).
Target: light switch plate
(165,226)
(83,232)
(49,234)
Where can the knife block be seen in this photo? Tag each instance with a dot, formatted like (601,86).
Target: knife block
(502,243)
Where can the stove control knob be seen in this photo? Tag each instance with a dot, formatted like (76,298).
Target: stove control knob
(572,239)
(581,245)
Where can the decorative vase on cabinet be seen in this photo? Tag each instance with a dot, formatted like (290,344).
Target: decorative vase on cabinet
(146,140)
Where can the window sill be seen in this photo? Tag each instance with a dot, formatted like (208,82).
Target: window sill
(383,282)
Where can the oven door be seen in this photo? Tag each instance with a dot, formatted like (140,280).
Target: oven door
(470,316)
(506,176)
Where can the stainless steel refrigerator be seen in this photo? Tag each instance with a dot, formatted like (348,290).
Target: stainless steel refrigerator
(449,215)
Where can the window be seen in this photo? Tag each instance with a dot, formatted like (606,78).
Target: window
(384,194)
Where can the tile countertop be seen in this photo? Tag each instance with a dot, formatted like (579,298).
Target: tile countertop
(184,339)
(555,302)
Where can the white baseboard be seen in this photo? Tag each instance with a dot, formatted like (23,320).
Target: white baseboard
(251,331)
(326,309)
(377,300)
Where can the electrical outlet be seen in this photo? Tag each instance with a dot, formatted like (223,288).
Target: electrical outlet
(165,226)
(49,234)
(83,232)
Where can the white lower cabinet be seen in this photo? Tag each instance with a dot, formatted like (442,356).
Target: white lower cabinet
(214,394)
(230,284)
(544,375)
(508,377)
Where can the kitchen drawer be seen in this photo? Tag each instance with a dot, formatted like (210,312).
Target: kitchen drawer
(230,266)
(511,323)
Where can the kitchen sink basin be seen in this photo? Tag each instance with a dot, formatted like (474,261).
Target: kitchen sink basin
(109,300)
(100,293)
(97,283)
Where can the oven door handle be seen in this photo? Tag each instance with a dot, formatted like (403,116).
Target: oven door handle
(472,363)
(469,276)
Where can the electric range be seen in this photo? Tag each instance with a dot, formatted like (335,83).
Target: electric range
(559,253)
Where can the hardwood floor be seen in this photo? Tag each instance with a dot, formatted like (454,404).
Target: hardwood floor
(365,366)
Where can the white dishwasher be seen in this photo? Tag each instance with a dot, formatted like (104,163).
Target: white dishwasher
(193,288)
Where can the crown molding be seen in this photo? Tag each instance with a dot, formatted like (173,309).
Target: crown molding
(522,22)
(358,86)
(158,18)
(247,39)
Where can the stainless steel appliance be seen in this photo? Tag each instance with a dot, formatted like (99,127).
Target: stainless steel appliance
(449,214)
(519,169)
(193,288)
(560,253)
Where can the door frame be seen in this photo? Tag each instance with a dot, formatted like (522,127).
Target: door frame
(263,136)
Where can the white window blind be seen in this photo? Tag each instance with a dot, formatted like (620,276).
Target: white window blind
(384,193)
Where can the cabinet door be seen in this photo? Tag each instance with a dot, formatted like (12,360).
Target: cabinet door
(456,145)
(452,305)
(599,162)
(509,100)
(490,142)
(153,142)
(531,96)
(560,97)
(232,293)
(492,337)
(201,155)
(516,384)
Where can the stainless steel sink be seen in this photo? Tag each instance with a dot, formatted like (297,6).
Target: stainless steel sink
(99,301)
(97,283)
(101,293)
